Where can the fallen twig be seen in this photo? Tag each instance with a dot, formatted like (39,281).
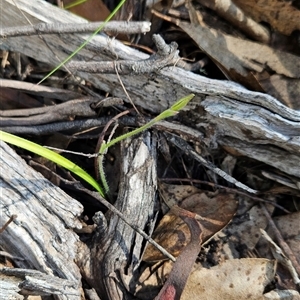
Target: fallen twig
(186,148)
(114,27)
(166,55)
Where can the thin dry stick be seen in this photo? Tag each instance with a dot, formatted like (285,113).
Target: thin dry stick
(124,89)
(287,250)
(114,27)
(119,214)
(186,148)
(13,217)
(167,55)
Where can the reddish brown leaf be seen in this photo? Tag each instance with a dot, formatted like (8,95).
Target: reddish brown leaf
(181,270)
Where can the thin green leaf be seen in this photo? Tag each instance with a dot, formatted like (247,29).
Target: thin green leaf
(51,155)
(74,3)
(180,104)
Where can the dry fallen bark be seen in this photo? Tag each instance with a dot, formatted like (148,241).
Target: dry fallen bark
(17,282)
(228,115)
(41,236)
(117,249)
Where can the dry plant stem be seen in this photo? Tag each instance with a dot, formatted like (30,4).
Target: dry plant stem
(189,133)
(230,190)
(286,249)
(116,256)
(99,159)
(124,89)
(186,148)
(113,27)
(230,12)
(166,55)
(13,217)
(40,90)
(34,282)
(74,126)
(119,214)
(49,114)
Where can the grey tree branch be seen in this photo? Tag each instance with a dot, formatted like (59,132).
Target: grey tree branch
(167,55)
(113,27)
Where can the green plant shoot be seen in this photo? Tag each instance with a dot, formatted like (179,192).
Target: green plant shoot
(172,111)
(51,155)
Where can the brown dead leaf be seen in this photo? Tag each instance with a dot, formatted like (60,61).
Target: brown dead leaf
(238,19)
(242,279)
(281,15)
(282,88)
(245,61)
(92,10)
(174,193)
(241,55)
(173,234)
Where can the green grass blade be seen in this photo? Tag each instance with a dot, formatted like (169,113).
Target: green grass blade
(51,155)
(74,3)
(86,42)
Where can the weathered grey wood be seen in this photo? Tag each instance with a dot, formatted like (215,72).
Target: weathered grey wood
(115,256)
(9,288)
(224,108)
(32,282)
(42,233)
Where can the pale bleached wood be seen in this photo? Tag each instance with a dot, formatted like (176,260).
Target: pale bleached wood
(29,282)
(42,234)
(226,108)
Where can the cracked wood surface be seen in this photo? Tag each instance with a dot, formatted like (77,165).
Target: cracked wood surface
(41,236)
(116,252)
(240,120)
